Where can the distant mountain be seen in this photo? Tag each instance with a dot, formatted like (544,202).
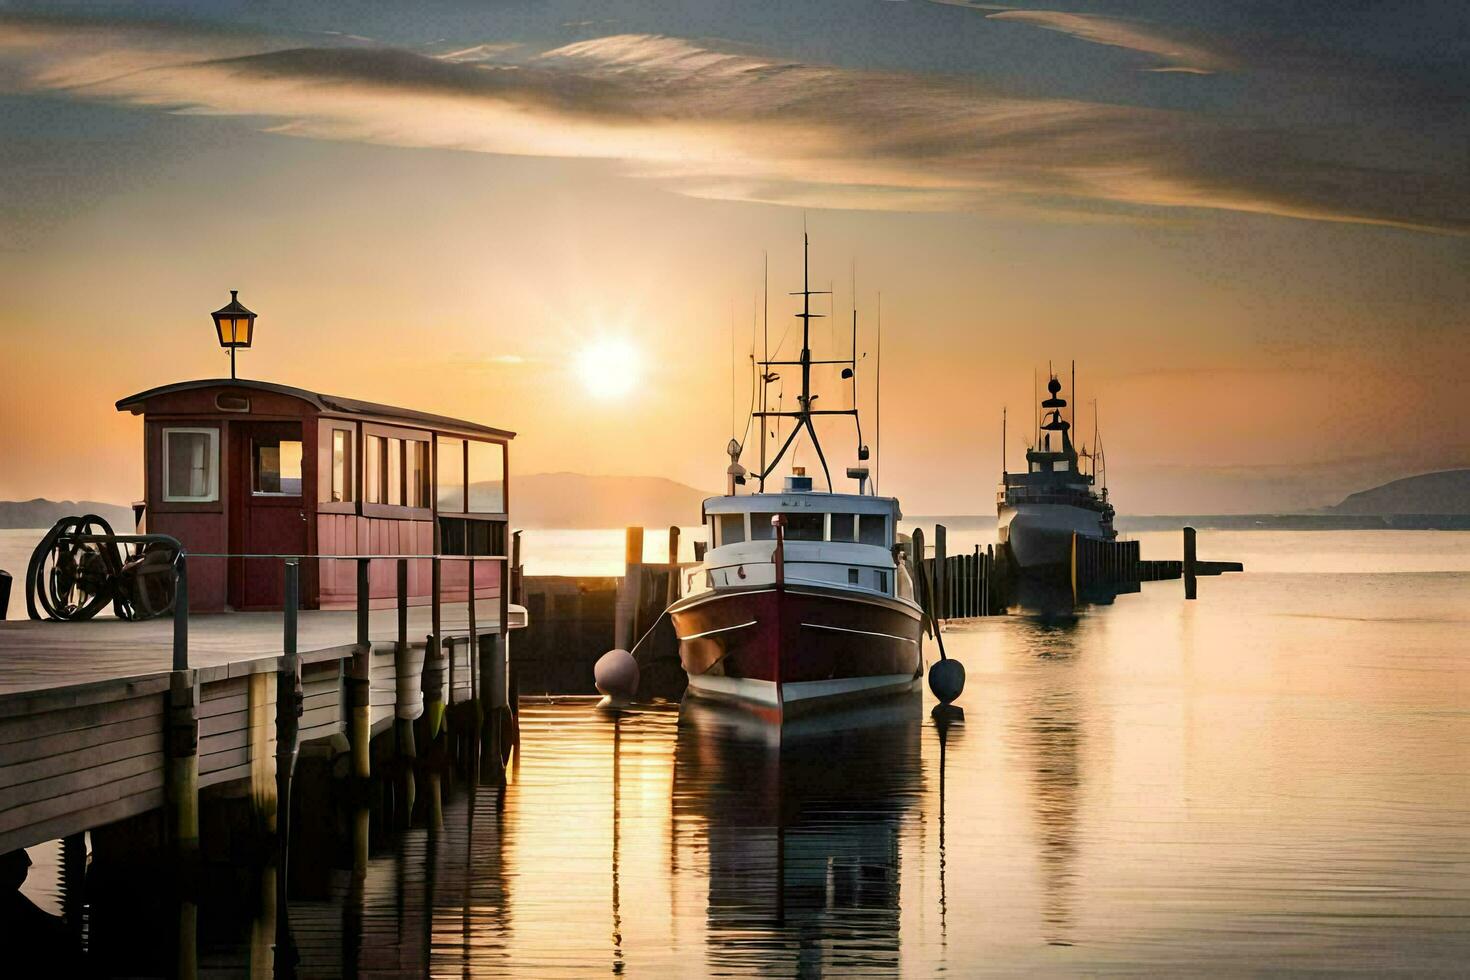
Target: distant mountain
(576,500)
(1447,492)
(43,513)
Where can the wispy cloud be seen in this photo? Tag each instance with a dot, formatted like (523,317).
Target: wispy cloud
(1178,54)
(1117,33)
(722,123)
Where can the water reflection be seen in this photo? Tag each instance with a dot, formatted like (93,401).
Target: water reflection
(1052,738)
(802,849)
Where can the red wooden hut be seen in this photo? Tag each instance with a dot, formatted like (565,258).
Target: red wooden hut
(251,468)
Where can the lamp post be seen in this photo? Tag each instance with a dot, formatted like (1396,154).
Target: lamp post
(235,326)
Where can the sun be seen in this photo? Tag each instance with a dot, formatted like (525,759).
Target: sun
(608,368)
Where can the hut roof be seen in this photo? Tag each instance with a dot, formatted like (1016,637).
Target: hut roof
(323,403)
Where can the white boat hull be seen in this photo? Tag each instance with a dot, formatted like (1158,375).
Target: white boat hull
(1040,535)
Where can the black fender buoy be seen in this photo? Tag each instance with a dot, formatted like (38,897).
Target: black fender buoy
(947,680)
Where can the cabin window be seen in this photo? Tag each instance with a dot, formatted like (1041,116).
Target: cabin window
(450,473)
(374,490)
(275,467)
(805,527)
(341,466)
(486,477)
(1061,465)
(190,465)
(844,527)
(852,576)
(731,528)
(881,580)
(873,529)
(761,528)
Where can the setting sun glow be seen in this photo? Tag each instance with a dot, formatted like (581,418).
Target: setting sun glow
(608,368)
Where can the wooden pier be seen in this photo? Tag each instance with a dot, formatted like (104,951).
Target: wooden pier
(105,720)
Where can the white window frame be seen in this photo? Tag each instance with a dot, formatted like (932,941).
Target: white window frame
(213,494)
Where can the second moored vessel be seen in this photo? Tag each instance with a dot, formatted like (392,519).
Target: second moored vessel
(1040,511)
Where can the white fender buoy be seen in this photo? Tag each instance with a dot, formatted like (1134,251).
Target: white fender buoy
(616,675)
(947,680)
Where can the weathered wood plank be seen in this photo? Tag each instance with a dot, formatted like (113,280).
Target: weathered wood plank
(23,775)
(75,719)
(79,695)
(97,814)
(17,753)
(122,779)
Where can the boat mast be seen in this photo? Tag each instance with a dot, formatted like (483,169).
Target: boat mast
(765,356)
(803,415)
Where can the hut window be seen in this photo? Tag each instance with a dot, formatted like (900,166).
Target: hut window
(732,528)
(416,473)
(373,489)
(341,465)
(873,529)
(276,467)
(486,477)
(190,464)
(450,473)
(393,473)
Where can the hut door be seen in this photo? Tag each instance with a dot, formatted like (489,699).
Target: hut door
(272,514)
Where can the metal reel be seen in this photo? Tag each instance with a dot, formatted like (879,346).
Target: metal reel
(72,580)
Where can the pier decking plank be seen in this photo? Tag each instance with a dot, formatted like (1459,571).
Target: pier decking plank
(41,655)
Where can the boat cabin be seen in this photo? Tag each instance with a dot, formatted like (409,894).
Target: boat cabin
(832,539)
(235,467)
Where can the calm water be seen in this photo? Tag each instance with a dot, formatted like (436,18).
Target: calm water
(1274,777)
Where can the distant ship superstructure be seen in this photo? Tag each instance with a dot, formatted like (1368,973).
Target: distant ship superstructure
(1038,511)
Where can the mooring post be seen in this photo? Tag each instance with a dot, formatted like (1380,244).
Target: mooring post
(1191,583)
(359,685)
(672,592)
(625,616)
(941,571)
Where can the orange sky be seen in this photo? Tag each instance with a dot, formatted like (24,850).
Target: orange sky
(1244,357)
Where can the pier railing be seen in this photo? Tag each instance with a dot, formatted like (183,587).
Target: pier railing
(292,587)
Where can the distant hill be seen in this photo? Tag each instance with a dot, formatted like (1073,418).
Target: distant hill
(1447,492)
(576,500)
(43,513)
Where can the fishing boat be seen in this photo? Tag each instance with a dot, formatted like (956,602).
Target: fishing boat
(1040,511)
(802,598)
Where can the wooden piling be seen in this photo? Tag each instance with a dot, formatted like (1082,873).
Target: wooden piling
(625,623)
(671,594)
(1191,582)
(941,579)
(359,686)
(181,780)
